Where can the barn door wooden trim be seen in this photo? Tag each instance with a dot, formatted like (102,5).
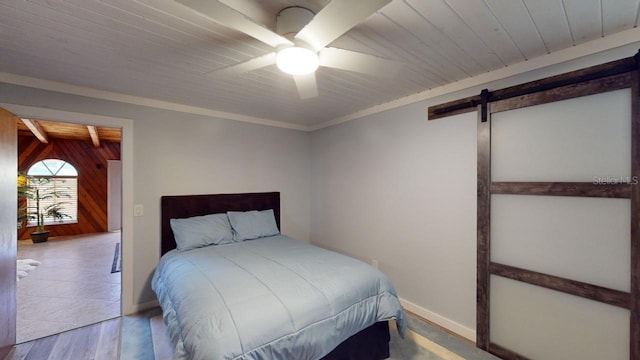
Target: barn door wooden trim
(635,214)
(578,79)
(483,228)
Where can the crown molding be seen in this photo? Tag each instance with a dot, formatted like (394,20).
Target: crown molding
(137,100)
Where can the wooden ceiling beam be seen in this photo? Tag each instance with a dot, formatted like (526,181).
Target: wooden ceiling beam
(93,132)
(36,130)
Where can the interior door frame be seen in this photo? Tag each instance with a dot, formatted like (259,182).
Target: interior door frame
(128,302)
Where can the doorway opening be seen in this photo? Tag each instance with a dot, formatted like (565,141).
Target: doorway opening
(74,278)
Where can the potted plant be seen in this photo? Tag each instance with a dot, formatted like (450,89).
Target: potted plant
(32,188)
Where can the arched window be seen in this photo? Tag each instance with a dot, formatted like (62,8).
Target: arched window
(55,176)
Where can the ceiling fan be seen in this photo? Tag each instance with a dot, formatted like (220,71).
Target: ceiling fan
(300,40)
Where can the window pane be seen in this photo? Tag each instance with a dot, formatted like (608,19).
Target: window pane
(38,169)
(67,170)
(54,165)
(69,204)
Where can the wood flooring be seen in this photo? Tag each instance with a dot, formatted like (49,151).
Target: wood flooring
(99,341)
(145,337)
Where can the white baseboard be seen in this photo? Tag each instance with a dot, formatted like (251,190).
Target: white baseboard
(440,320)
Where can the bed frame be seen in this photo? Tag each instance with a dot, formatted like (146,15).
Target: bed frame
(184,206)
(371,343)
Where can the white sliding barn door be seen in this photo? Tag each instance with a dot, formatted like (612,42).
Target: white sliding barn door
(558,214)
(583,239)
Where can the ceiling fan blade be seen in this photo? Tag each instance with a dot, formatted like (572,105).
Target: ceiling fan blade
(231,18)
(359,62)
(306,85)
(254,11)
(244,67)
(335,19)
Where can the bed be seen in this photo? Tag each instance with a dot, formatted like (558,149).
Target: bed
(269,297)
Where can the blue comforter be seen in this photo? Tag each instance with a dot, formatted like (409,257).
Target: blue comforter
(269,298)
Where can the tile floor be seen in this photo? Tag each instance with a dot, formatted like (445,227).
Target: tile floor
(72,287)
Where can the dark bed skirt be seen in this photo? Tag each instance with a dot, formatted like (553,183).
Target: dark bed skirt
(371,343)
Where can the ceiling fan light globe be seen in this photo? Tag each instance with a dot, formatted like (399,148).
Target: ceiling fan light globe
(297,60)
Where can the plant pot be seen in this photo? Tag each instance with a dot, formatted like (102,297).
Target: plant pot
(40,236)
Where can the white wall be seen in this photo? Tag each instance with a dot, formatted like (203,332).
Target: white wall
(177,153)
(204,155)
(400,189)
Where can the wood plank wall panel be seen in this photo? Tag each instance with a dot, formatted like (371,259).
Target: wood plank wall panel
(91,163)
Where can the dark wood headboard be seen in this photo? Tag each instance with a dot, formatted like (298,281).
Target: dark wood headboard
(184,206)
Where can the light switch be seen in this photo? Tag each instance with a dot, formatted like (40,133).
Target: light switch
(138,210)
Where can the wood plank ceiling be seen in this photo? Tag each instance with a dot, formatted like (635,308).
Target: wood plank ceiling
(161,50)
(46,130)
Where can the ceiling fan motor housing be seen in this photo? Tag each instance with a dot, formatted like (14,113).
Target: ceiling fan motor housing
(291,20)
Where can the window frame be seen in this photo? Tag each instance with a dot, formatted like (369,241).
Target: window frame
(57,181)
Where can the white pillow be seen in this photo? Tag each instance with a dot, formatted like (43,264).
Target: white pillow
(253,224)
(199,231)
